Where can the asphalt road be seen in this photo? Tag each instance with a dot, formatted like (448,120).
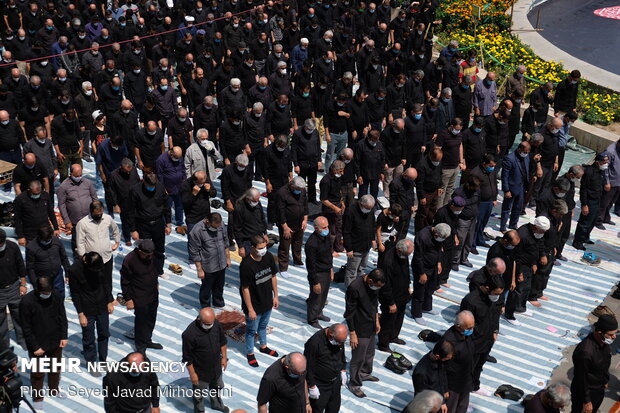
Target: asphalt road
(572,26)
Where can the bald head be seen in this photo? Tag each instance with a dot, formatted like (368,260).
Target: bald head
(76,170)
(320,224)
(135,360)
(177,152)
(295,363)
(411,174)
(30,159)
(4,115)
(126,103)
(337,332)
(200,177)
(207,316)
(496,266)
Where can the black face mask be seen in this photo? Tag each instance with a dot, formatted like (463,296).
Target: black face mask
(97,218)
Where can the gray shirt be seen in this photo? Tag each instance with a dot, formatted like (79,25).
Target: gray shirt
(44,153)
(74,199)
(208,246)
(485,97)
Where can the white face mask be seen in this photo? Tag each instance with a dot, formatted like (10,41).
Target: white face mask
(253,203)
(337,175)
(347,161)
(539,235)
(241,168)
(603,167)
(523,154)
(88,92)
(280,149)
(365,210)
(261,251)
(494,297)
(435,163)
(42,141)
(561,194)
(206,326)
(457,212)
(374,287)
(439,239)
(608,341)
(151,132)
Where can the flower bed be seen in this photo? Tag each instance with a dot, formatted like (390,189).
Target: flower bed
(504,51)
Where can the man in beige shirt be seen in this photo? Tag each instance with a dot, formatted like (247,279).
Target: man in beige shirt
(93,234)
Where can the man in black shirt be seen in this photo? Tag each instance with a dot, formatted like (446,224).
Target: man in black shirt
(144,387)
(249,220)
(574,175)
(337,123)
(205,352)
(358,234)
(460,369)
(258,288)
(283,386)
(371,163)
(449,214)
(333,205)
(428,187)
(591,360)
(68,141)
(402,192)
(149,144)
(363,321)
(485,306)
(306,155)
(590,193)
(474,145)
(12,288)
(319,262)
(235,179)
(44,322)
(33,209)
(506,249)
(327,365)
(553,399)
(426,266)
(292,220)
(150,216)
(430,372)
(277,169)
(91,293)
(395,294)
(141,291)
(28,171)
(120,182)
(11,137)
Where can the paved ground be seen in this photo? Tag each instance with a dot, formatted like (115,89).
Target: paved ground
(527,355)
(572,26)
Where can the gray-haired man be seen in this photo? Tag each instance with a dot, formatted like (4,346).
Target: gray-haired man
(358,234)
(292,219)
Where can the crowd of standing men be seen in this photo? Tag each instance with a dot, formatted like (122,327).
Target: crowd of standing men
(168,98)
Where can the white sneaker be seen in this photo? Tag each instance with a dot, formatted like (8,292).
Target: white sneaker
(38,406)
(284,274)
(62,395)
(513,321)
(192,266)
(164,276)
(470,409)
(528,313)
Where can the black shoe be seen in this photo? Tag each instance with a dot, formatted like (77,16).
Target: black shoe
(384,349)
(399,341)
(269,226)
(467,264)
(491,359)
(601,227)
(394,366)
(316,325)
(474,251)
(356,391)
(616,294)
(324,318)
(589,242)
(579,246)
(562,258)
(609,223)
(485,245)
(370,377)
(155,346)
(455,267)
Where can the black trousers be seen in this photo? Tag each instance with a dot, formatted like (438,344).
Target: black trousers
(479,364)
(272,202)
(156,231)
(422,299)
(567,222)
(391,323)
(145,318)
(607,201)
(586,223)
(541,278)
(561,155)
(108,198)
(577,399)
(309,174)
(517,299)
(458,402)
(316,302)
(329,400)
(446,265)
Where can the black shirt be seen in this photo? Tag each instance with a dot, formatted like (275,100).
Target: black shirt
(402,192)
(149,145)
(426,253)
(283,393)
(202,349)
(66,135)
(361,308)
(549,149)
(292,208)
(319,258)
(12,264)
(11,136)
(23,175)
(248,221)
(429,177)
(235,182)
(142,391)
(486,314)
(43,321)
(447,216)
(257,277)
(91,291)
(139,279)
(369,160)
(119,186)
(396,288)
(497,250)
(460,368)
(429,374)
(45,260)
(31,214)
(148,206)
(324,360)
(535,405)
(488,183)
(450,145)
(591,371)
(530,249)
(394,146)
(358,229)
(306,149)
(196,207)
(330,187)
(277,165)
(474,147)
(591,188)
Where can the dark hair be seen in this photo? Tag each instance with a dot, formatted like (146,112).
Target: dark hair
(443,349)
(478,121)
(96,205)
(43,283)
(572,115)
(488,158)
(494,282)
(575,74)
(93,260)
(150,178)
(377,276)
(396,209)
(45,232)
(456,122)
(214,218)
(257,239)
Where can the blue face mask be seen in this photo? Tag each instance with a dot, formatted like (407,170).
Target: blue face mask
(417,116)
(134,373)
(465,87)
(488,82)
(33,196)
(293,376)
(325,232)
(296,191)
(468,333)
(340,104)
(306,94)
(281,105)
(489,169)
(116,88)
(477,130)
(379,98)
(150,188)
(164,87)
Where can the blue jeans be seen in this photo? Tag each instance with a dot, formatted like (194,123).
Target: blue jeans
(91,349)
(178,207)
(511,207)
(338,143)
(252,327)
(484,213)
